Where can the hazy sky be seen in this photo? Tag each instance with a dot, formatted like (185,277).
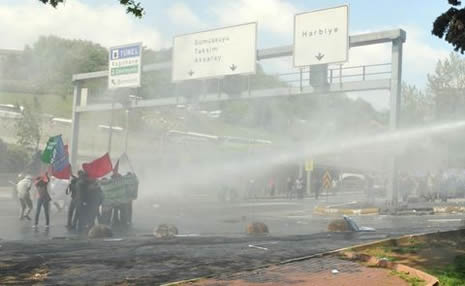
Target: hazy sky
(104,21)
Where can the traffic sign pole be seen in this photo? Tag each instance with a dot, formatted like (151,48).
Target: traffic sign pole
(309,182)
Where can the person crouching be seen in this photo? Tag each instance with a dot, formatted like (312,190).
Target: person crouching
(24,187)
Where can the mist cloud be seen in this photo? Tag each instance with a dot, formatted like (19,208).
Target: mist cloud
(108,25)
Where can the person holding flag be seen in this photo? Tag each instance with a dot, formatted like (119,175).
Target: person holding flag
(43,200)
(55,154)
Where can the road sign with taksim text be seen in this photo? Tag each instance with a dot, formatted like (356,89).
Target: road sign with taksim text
(215,53)
(124,66)
(321,37)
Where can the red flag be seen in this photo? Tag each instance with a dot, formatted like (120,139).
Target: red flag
(66,172)
(115,169)
(99,167)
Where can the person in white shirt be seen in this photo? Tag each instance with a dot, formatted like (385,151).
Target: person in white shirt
(24,187)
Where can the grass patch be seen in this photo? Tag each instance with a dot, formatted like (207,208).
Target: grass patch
(407,249)
(381,252)
(441,255)
(412,281)
(453,274)
(60,106)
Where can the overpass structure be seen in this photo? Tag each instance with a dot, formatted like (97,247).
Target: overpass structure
(301,82)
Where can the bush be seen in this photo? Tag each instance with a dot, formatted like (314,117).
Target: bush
(12,158)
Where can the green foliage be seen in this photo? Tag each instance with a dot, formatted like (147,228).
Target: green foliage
(453,274)
(447,86)
(12,158)
(451,25)
(29,128)
(330,114)
(417,108)
(59,106)
(449,74)
(411,280)
(48,66)
(132,7)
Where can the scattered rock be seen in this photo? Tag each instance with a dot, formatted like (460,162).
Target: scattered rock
(385,263)
(165,231)
(255,228)
(338,225)
(100,231)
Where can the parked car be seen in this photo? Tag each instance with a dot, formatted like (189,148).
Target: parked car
(11,111)
(350,182)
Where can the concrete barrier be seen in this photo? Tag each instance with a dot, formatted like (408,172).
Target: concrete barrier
(449,209)
(319,210)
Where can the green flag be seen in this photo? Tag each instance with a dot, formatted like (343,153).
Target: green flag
(47,154)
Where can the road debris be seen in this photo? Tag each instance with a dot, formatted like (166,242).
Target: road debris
(258,247)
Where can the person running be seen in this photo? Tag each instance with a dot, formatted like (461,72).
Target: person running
(290,187)
(24,187)
(43,200)
(299,188)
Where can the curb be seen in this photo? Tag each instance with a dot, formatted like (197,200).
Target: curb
(345,211)
(372,261)
(449,209)
(322,254)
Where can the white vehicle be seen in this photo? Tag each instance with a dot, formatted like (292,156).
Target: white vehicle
(11,111)
(61,121)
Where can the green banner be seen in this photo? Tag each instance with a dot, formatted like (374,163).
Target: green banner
(47,154)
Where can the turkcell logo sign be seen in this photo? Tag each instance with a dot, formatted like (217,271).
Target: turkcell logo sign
(124,66)
(126,52)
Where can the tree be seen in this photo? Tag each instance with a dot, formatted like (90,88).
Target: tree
(132,7)
(447,86)
(48,65)
(28,128)
(417,107)
(451,24)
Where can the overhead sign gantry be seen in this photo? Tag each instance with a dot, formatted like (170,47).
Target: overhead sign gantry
(238,55)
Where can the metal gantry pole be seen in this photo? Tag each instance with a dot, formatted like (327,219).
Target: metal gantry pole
(394,115)
(111,124)
(75,125)
(127,132)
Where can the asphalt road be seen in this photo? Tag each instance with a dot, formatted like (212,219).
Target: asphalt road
(198,215)
(212,241)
